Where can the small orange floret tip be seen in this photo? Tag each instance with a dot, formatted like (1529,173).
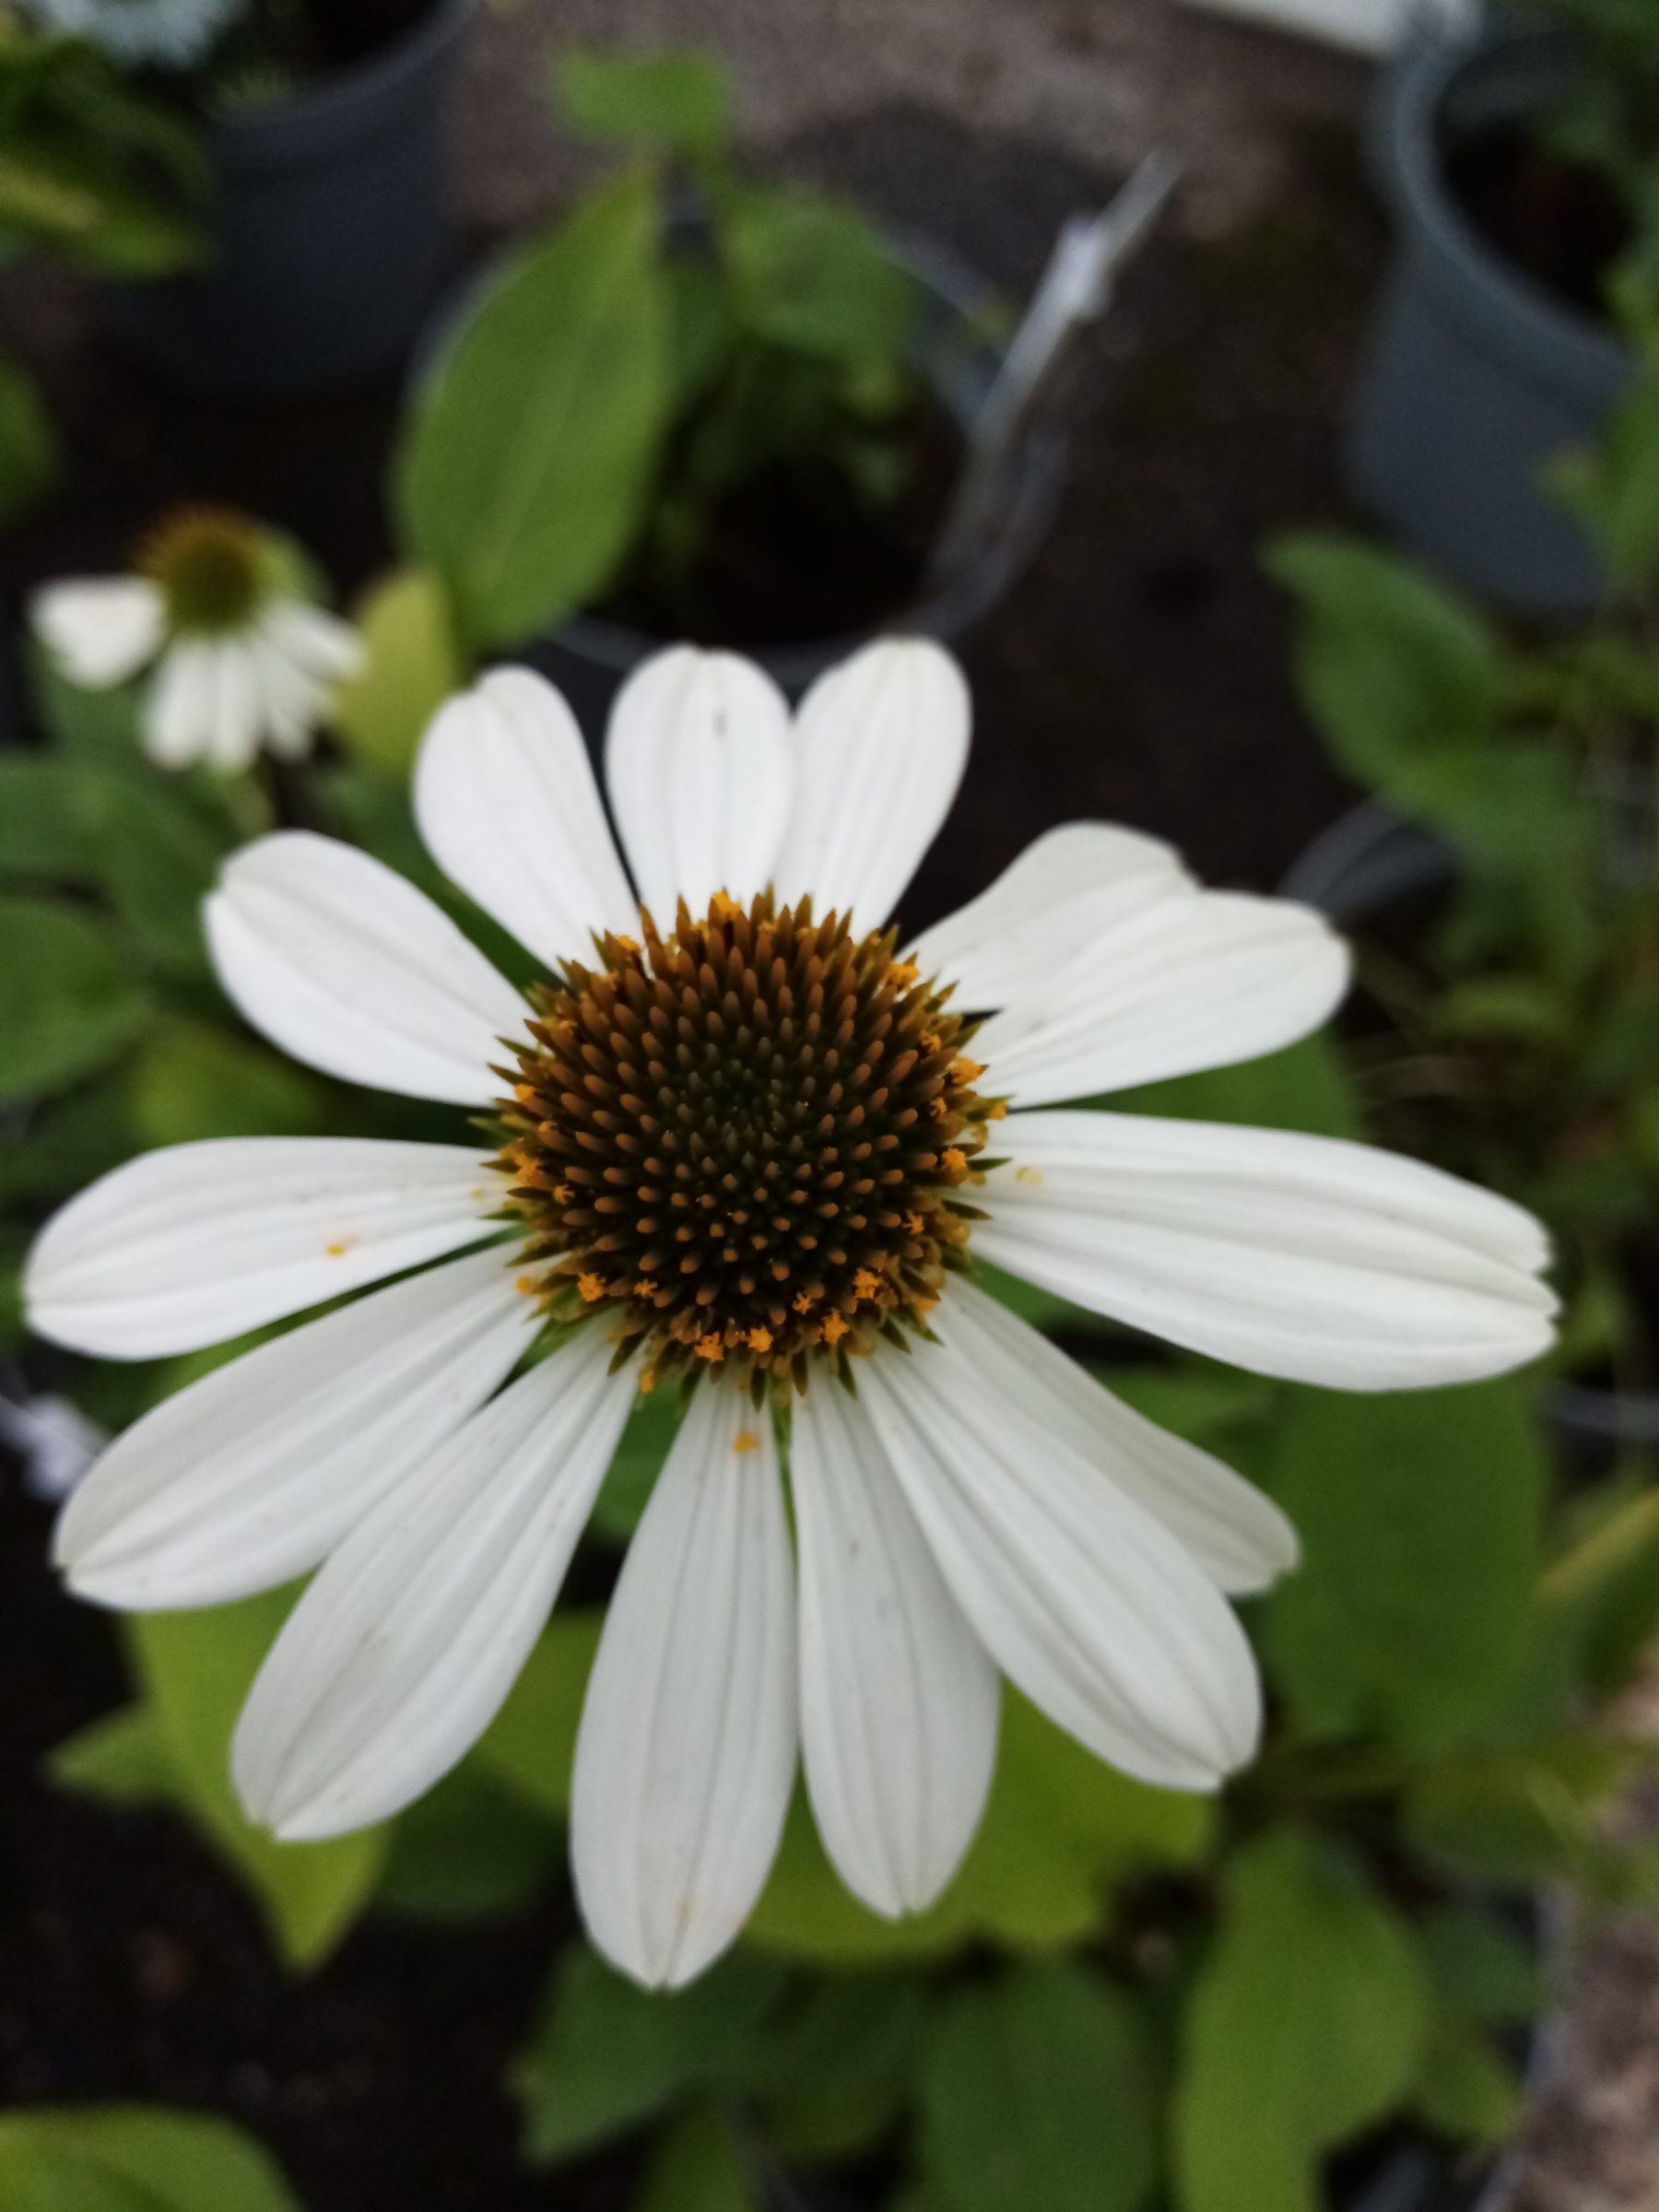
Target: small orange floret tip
(956,1160)
(710,1349)
(760,1341)
(592,1289)
(835,1327)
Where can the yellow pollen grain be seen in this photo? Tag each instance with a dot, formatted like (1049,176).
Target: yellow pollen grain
(523,1094)
(915,1224)
(866,1283)
(804,1301)
(997,1111)
(759,1340)
(905,971)
(628,944)
(935,1107)
(930,1041)
(710,1348)
(835,1327)
(726,907)
(1028,1175)
(924,1305)
(340,1247)
(561,1190)
(956,1161)
(528,1286)
(592,1287)
(746,1441)
(644,1287)
(966,1071)
(647,1381)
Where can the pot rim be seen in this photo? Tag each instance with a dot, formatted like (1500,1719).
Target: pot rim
(1490,295)
(329,100)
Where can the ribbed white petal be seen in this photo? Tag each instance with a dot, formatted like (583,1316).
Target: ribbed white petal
(238,714)
(194,1245)
(699,765)
(399,1654)
(1239,1538)
(179,706)
(291,702)
(1065,890)
(327,648)
(881,743)
(255,1472)
(1301,1256)
(100,629)
(1083,1599)
(899,1696)
(1183,985)
(348,967)
(509,809)
(686,1752)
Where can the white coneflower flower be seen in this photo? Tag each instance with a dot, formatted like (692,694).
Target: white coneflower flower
(743,1145)
(241,662)
(168,33)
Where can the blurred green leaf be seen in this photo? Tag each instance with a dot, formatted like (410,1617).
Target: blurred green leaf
(197,1669)
(121,1758)
(42,833)
(1037,2090)
(1517,1817)
(30,457)
(1420,1517)
(532,1740)
(638,1462)
(834,2070)
(812,276)
(1483,1969)
(700,2166)
(1305,1087)
(1613,486)
(1465,2087)
(469,1848)
(411,666)
(134,2157)
(190,1082)
(673,102)
(67,1003)
(1306,2023)
(528,456)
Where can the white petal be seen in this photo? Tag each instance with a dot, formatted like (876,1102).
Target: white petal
(292,703)
(400,1653)
(178,708)
(1238,1536)
(1064,891)
(509,809)
(237,718)
(686,1752)
(699,766)
(255,1472)
(1184,984)
(348,967)
(1082,1598)
(325,647)
(881,743)
(196,1244)
(100,629)
(1300,1256)
(899,1696)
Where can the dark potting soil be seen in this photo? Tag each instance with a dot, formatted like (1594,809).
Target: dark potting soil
(323,35)
(1137,674)
(1560,222)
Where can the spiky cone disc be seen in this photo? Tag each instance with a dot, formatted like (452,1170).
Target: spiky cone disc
(748,1141)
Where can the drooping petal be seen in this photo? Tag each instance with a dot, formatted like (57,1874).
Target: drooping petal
(1300,1256)
(687,1746)
(899,1696)
(1065,890)
(254,1474)
(1185,984)
(237,713)
(1238,1536)
(194,1245)
(509,809)
(349,968)
(697,763)
(325,646)
(1083,1599)
(881,743)
(178,707)
(291,702)
(399,1654)
(100,629)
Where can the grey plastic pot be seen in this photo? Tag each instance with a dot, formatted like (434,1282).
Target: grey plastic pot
(1476,377)
(333,229)
(1371,860)
(589,658)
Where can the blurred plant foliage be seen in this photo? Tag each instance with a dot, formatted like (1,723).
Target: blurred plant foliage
(1514,1029)
(133,2157)
(1607,122)
(683,337)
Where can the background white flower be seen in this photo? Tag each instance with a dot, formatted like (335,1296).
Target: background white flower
(170,32)
(241,662)
(756,1117)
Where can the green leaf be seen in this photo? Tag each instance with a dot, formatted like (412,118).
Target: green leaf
(190,1082)
(1305,1087)
(1037,2090)
(156,859)
(1420,1517)
(1482,1970)
(1614,487)
(1517,1817)
(1061,1827)
(532,1741)
(674,102)
(812,276)
(638,1462)
(1465,2087)
(469,1848)
(1305,2025)
(42,836)
(604,2055)
(121,1758)
(30,458)
(412,664)
(134,2157)
(525,471)
(67,1003)
(834,2070)
(698,2167)
(197,1669)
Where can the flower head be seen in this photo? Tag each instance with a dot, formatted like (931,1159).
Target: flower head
(241,660)
(169,33)
(744,1151)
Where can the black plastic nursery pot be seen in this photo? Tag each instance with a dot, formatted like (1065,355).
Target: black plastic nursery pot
(589,657)
(332,226)
(1477,376)
(1365,863)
